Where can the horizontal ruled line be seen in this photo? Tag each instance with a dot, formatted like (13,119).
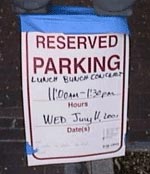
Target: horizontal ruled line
(61,100)
(83,124)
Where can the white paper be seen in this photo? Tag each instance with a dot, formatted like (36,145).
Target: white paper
(75,91)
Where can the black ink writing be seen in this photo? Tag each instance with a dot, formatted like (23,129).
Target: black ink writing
(68,79)
(44,79)
(53,120)
(60,94)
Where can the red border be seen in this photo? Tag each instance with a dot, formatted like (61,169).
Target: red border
(29,108)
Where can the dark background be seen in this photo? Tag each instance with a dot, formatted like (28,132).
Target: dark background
(12,138)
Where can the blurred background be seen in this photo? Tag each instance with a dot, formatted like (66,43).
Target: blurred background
(12,138)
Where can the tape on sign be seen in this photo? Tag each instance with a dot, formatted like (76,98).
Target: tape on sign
(65,20)
(29,149)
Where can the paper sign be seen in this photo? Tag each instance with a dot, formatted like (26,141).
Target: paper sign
(75,90)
